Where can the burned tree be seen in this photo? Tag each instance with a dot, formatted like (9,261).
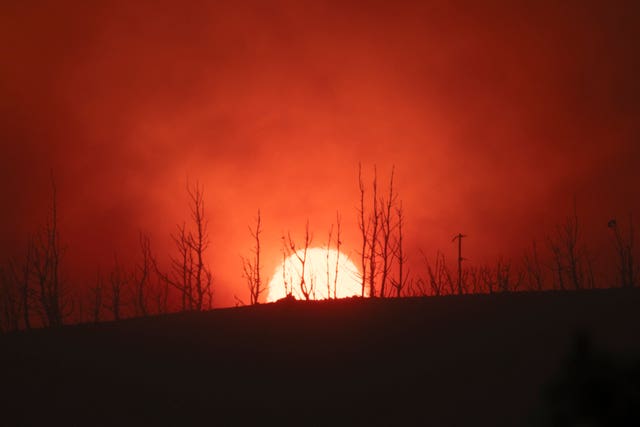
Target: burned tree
(96,298)
(533,267)
(306,289)
(627,270)
(338,244)
(9,302)
(141,276)
(386,229)
(568,254)
(363,226)
(53,302)
(118,282)
(373,237)
(328,268)
(400,282)
(189,274)
(251,267)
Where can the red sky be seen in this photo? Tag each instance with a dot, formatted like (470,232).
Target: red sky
(496,116)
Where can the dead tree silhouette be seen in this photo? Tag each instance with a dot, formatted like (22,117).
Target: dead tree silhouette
(251,267)
(9,303)
(328,267)
(363,225)
(338,244)
(627,270)
(141,277)
(400,283)
(387,227)
(96,297)
(373,236)
(118,281)
(533,267)
(569,261)
(52,296)
(306,289)
(188,273)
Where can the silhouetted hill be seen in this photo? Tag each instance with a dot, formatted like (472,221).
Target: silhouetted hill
(448,361)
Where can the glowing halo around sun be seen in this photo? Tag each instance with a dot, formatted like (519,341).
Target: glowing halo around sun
(315,275)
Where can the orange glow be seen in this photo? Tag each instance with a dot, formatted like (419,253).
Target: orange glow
(319,276)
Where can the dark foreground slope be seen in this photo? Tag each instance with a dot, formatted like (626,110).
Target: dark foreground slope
(471,360)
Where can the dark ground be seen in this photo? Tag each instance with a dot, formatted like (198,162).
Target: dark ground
(446,361)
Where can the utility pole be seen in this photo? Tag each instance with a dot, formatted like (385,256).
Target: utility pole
(459,238)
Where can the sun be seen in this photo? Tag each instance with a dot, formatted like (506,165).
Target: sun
(319,276)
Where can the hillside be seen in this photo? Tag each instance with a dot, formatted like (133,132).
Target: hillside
(457,360)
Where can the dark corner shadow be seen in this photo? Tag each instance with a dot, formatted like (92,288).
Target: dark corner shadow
(592,387)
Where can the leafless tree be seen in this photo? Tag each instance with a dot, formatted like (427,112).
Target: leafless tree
(141,276)
(570,231)
(19,273)
(96,297)
(199,242)
(506,279)
(47,253)
(439,276)
(364,230)
(568,253)
(306,289)
(400,282)
(557,266)
(189,274)
(328,253)
(9,302)
(488,279)
(338,244)
(628,271)
(386,229)
(533,267)
(373,236)
(251,267)
(162,297)
(118,281)
(475,279)
(286,281)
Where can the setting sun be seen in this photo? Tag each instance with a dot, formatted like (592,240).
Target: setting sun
(319,276)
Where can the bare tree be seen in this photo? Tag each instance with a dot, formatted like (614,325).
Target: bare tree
(286,282)
(199,243)
(118,280)
(373,236)
(386,229)
(506,279)
(338,244)
(306,289)
(488,279)
(20,274)
(557,266)
(188,273)
(364,230)
(141,276)
(47,253)
(568,254)
(570,231)
(9,302)
(251,267)
(401,258)
(328,253)
(533,267)
(439,276)
(96,297)
(628,271)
